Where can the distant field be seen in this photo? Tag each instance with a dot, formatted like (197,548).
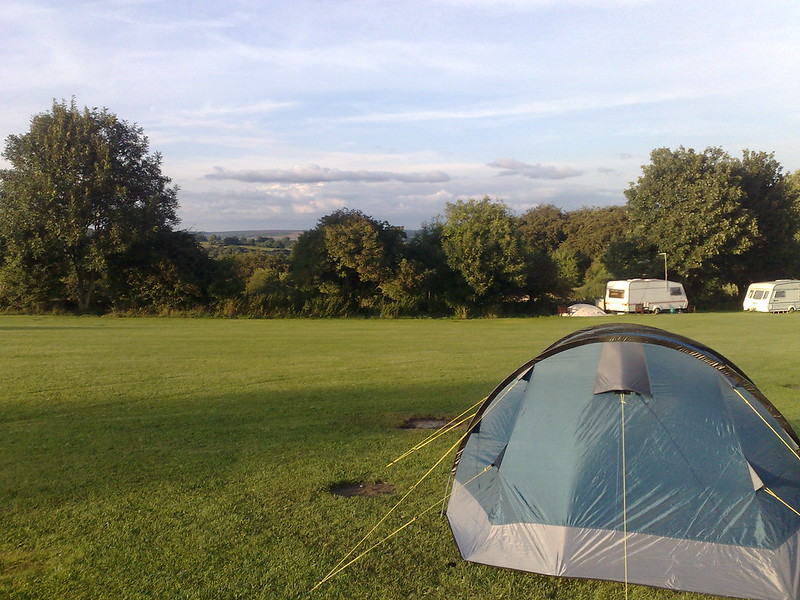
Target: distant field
(292,234)
(180,458)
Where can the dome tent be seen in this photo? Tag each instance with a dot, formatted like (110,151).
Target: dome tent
(584,310)
(627,453)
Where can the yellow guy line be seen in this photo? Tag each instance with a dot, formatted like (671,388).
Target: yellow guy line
(624,494)
(444,430)
(760,416)
(341,567)
(785,443)
(781,500)
(455,422)
(336,569)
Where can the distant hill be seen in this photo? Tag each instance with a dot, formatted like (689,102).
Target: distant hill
(292,234)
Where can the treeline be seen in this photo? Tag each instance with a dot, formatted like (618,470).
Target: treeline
(477,259)
(88,224)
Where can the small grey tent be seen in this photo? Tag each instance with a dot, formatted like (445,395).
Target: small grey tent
(627,453)
(584,310)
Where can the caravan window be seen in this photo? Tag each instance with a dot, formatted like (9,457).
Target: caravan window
(616,293)
(675,291)
(758,294)
(750,294)
(780,293)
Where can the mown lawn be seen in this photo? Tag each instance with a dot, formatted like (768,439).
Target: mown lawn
(181,458)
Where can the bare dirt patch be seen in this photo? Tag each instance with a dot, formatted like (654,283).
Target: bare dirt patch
(424,423)
(361,488)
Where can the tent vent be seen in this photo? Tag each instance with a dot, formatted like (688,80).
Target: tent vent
(622,369)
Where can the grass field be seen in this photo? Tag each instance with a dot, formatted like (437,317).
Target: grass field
(180,458)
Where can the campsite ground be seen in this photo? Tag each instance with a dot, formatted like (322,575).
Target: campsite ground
(193,458)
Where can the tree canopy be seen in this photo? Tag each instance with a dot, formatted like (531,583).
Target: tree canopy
(351,263)
(482,242)
(721,220)
(81,197)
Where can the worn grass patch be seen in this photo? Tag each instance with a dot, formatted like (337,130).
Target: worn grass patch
(180,458)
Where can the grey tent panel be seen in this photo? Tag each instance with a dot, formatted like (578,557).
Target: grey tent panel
(622,368)
(675,564)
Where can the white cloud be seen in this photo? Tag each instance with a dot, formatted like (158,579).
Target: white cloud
(317,207)
(317,174)
(511,166)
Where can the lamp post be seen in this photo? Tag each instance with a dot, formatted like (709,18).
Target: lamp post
(666,283)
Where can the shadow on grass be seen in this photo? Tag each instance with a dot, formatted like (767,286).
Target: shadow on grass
(153,499)
(72,451)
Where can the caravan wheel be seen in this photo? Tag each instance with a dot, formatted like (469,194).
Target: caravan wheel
(657,310)
(791,309)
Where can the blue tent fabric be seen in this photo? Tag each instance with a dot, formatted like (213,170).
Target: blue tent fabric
(705,497)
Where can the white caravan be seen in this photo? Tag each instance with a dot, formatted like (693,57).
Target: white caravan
(782,295)
(645,295)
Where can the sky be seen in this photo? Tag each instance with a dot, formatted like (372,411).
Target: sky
(270,114)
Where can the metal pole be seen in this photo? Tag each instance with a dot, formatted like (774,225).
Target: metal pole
(666,283)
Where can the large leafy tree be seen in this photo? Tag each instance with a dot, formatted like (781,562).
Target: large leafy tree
(445,289)
(543,231)
(589,232)
(772,200)
(792,181)
(481,240)
(543,228)
(351,263)
(567,247)
(82,191)
(721,220)
(166,270)
(691,205)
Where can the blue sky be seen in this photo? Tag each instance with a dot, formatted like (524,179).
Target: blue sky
(271,114)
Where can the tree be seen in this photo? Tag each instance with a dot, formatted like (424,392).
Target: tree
(445,288)
(168,270)
(589,230)
(543,228)
(269,290)
(482,242)
(723,222)
(355,246)
(691,206)
(567,247)
(793,184)
(588,233)
(82,190)
(772,201)
(793,188)
(629,257)
(341,265)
